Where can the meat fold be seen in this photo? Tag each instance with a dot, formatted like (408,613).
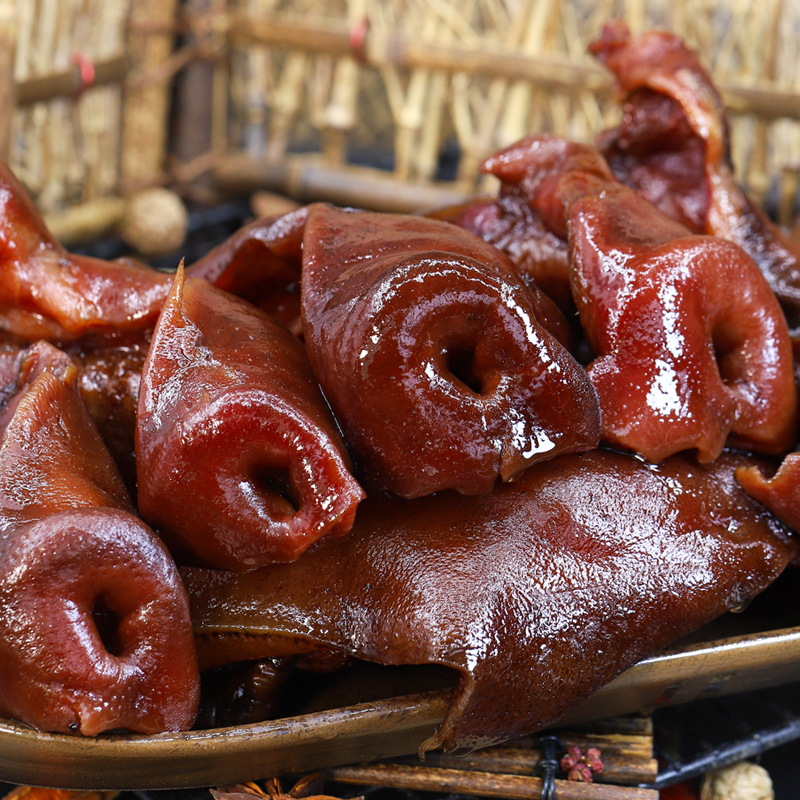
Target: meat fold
(778,490)
(94,630)
(537,594)
(109,375)
(510,224)
(49,293)
(261,263)
(673,147)
(433,356)
(230,415)
(681,361)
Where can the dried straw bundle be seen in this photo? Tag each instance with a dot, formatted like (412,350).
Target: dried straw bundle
(296,80)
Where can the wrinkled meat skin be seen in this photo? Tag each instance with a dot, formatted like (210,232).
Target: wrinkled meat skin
(428,349)
(681,362)
(542,591)
(109,375)
(780,493)
(229,412)
(685,167)
(261,264)
(509,223)
(48,293)
(655,152)
(95,620)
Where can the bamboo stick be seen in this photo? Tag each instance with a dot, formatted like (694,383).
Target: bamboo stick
(86,222)
(514,787)
(307,179)
(219,92)
(50,124)
(555,71)
(146,107)
(629,768)
(8,42)
(515,113)
(409,107)
(340,114)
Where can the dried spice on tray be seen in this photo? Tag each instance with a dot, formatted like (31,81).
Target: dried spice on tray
(501,535)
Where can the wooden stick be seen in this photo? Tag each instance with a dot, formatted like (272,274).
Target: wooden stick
(86,222)
(146,107)
(306,179)
(765,99)
(193,111)
(617,768)
(515,787)
(69,83)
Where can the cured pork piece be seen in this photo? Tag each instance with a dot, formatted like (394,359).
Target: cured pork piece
(429,350)
(261,264)
(231,416)
(528,592)
(681,360)
(779,492)
(673,147)
(94,630)
(48,293)
(509,223)
(109,375)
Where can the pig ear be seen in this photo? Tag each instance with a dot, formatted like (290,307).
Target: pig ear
(631,556)
(662,63)
(98,634)
(230,413)
(409,318)
(48,293)
(780,493)
(682,362)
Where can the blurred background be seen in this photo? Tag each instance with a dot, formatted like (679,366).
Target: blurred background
(241,107)
(379,103)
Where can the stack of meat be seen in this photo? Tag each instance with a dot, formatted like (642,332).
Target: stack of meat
(533,439)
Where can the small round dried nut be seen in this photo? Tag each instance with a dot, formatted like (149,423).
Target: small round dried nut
(743,781)
(155,222)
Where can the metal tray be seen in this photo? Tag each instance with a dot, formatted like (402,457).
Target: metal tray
(737,653)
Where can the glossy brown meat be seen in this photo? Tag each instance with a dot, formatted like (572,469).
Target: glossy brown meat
(538,593)
(779,492)
(231,417)
(682,361)
(48,293)
(261,264)
(109,375)
(94,630)
(428,348)
(673,147)
(510,224)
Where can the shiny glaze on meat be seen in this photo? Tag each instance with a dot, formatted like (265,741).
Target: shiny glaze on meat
(94,620)
(429,350)
(682,361)
(231,416)
(673,147)
(537,594)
